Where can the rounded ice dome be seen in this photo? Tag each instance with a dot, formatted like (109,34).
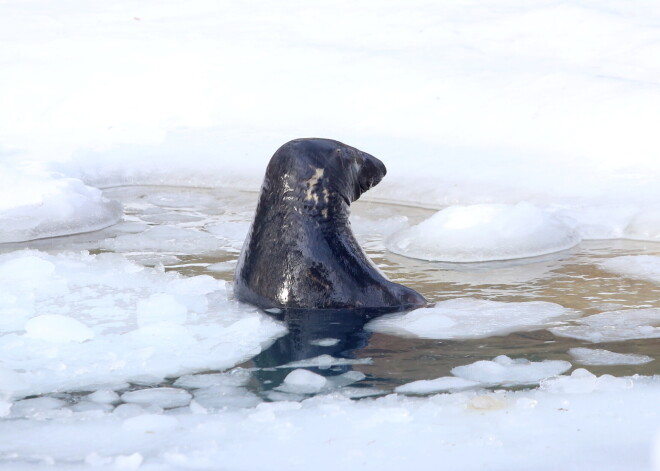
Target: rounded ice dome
(35,204)
(484,232)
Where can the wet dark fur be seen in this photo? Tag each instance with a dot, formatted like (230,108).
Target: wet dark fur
(300,252)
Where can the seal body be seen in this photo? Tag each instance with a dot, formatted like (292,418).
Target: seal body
(300,252)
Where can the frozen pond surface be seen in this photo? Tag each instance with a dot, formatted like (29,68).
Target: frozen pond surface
(502,338)
(200,232)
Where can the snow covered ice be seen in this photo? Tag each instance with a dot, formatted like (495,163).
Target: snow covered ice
(484,232)
(470,318)
(112,321)
(529,128)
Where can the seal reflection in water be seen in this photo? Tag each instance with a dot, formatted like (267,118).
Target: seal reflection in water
(300,253)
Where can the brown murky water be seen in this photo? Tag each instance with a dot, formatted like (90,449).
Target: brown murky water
(571,279)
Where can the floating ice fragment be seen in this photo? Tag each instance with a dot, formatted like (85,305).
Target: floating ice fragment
(326,361)
(328,342)
(484,232)
(130,462)
(644,226)
(57,328)
(166,398)
(97,313)
(430,386)
(5,408)
(471,318)
(594,356)
(598,221)
(35,205)
(302,381)
(508,372)
(234,378)
(614,326)
(645,267)
(582,381)
(103,396)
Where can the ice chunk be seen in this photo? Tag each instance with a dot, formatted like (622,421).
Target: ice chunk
(644,226)
(166,398)
(484,232)
(302,381)
(594,356)
(614,326)
(429,386)
(508,372)
(645,267)
(57,328)
(327,342)
(326,361)
(136,315)
(130,462)
(234,378)
(582,381)
(598,221)
(231,233)
(103,396)
(471,318)
(36,204)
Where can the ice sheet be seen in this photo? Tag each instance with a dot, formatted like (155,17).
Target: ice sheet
(484,232)
(35,204)
(646,267)
(465,430)
(471,318)
(597,356)
(74,321)
(614,326)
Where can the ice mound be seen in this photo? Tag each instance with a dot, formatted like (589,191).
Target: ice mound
(35,205)
(509,372)
(484,232)
(80,321)
(595,356)
(471,318)
(644,226)
(595,222)
(614,326)
(645,267)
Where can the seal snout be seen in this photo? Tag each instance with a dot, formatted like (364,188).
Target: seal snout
(371,172)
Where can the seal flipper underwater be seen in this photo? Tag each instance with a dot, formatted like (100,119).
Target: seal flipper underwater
(300,252)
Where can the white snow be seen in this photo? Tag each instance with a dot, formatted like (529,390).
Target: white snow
(597,356)
(484,232)
(510,372)
(646,267)
(471,318)
(614,326)
(470,430)
(109,320)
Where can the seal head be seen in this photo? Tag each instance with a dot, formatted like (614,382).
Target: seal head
(300,252)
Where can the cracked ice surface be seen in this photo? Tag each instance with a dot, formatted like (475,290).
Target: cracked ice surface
(77,321)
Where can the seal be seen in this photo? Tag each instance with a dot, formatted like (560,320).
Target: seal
(300,252)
